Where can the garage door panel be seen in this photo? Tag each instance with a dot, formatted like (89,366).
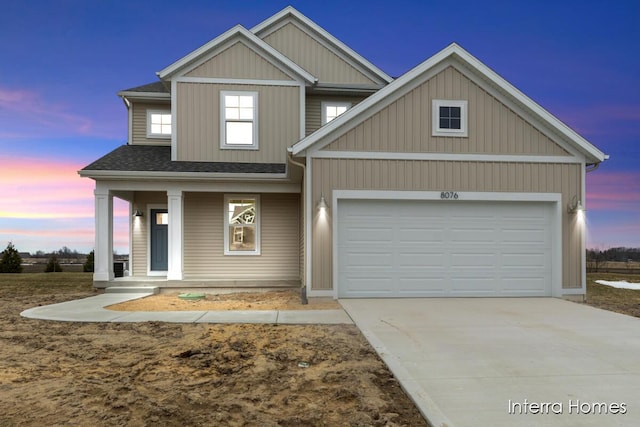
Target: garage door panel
(443,248)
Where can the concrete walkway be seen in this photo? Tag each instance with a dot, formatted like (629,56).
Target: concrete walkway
(498,361)
(92,309)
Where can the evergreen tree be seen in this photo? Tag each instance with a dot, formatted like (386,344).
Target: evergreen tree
(53,266)
(88,265)
(10,262)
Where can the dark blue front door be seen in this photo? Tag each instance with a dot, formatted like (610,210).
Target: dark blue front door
(159,240)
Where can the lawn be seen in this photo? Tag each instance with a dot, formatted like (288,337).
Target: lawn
(625,301)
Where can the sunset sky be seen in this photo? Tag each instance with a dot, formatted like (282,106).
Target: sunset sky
(62,63)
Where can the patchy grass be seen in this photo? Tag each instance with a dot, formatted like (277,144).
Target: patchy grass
(625,301)
(15,285)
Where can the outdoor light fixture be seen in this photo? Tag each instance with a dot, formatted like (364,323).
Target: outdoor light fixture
(322,204)
(137,213)
(575,206)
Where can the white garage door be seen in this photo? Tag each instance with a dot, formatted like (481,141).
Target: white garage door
(403,248)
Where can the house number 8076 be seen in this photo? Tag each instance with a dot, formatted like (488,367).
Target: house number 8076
(447,195)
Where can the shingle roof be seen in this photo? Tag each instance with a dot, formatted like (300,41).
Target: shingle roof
(155,87)
(142,158)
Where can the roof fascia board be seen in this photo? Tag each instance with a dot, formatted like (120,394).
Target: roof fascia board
(145,95)
(425,70)
(193,176)
(269,25)
(199,186)
(216,45)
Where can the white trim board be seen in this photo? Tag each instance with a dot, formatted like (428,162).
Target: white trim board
(452,157)
(556,226)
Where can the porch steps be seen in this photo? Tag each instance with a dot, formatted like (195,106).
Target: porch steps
(132,289)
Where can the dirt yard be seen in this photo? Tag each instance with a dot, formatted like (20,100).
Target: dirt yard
(159,374)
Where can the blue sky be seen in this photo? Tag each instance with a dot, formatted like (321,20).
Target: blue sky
(62,63)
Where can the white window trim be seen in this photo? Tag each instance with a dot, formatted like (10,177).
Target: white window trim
(158,135)
(223,128)
(228,197)
(435,123)
(325,104)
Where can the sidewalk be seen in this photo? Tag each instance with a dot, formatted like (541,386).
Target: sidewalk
(92,309)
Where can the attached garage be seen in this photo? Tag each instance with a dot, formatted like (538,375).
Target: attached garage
(444,248)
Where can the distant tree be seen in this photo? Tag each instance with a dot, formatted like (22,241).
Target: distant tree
(53,266)
(10,261)
(88,265)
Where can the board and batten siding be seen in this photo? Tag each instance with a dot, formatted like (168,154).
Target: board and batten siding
(139,229)
(199,121)
(416,175)
(405,124)
(313,108)
(204,240)
(139,123)
(314,57)
(238,62)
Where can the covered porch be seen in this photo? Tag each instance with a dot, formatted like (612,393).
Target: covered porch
(185,235)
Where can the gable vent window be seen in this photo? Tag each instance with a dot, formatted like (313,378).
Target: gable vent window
(449,118)
(239,118)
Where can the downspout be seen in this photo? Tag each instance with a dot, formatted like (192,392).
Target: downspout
(303,286)
(593,166)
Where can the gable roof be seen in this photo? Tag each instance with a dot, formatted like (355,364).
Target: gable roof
(289,14)
(455,53)
(238,32)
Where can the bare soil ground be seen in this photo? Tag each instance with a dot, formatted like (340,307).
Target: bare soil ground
(159,374)
(625,301)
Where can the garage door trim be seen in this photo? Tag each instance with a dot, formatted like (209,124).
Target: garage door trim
(555,226)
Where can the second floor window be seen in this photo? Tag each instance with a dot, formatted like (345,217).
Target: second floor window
(331,110)
(158,124)
(239,120)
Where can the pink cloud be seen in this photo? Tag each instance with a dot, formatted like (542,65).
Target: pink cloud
(26,114)
(617,191)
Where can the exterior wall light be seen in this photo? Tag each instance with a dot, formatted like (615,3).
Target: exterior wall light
(575,206)
(322,204)
(137,213)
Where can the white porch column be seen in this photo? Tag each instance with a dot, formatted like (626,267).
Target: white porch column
(103,256)
(175,208)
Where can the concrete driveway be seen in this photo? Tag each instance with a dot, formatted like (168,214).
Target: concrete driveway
(508,361)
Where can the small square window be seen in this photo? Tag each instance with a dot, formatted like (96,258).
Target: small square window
(449,118)
(331,110)
(158,124)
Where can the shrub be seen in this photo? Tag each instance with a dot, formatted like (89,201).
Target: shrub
(88,265)
(10,262)
(53,266)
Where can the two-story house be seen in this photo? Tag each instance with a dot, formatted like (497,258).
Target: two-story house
(279,156)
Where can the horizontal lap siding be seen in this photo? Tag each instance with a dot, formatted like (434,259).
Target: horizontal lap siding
(204,240)
(139,123)
(198,123)
(315,58)
(313,115)
(405,124)
(352,174)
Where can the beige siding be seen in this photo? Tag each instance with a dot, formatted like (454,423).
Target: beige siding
(238,62)
(139,122)
(198,123)
(405,125)
(139,233)
(313,114)
(204,240)
(311,55)
(332,174)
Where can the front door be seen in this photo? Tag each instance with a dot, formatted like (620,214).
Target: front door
(159,240)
